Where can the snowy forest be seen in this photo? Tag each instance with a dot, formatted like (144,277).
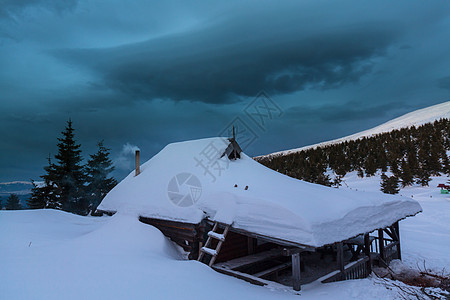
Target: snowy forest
(405,157)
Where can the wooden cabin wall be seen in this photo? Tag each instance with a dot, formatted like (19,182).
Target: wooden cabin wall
(185,235)
(235,245)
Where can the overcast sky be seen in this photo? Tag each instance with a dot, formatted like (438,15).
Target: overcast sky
(150,73)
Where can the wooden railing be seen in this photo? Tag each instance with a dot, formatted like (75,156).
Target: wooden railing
(390,248)
(390,251)
(355,270)
(374,244)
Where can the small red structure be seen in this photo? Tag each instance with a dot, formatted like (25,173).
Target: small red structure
(443,186)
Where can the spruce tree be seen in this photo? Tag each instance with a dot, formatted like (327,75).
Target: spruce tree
(50,190)
(98,181)
(69,175)
(12,203)
(423,177)
(45,195)
(389,185)
(37,198)
(406,176)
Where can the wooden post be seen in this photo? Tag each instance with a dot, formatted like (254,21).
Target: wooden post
(340,257)
(137,163)
(251,245)
(399,251)
(200,245)
(367,250)
(381,243)
(296,271)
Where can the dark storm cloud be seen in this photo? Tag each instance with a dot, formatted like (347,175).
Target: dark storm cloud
(120,68)
(216,63)
(344,112)
(11,8)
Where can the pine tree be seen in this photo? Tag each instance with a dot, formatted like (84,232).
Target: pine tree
(423,177)
(37,198)
(69,175)
(50,190)
(389,185)
(406,176)
(45,195)
(12,203)
(98,169)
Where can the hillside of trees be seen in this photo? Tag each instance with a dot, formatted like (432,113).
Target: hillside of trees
(68,184)
(411,155)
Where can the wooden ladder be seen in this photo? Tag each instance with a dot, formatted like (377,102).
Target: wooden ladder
(213,234)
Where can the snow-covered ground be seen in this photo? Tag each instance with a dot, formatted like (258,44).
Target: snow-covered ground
(47,254)
(425,237)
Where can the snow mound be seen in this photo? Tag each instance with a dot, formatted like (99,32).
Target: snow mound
(415,118)
(75,257)
(251,197)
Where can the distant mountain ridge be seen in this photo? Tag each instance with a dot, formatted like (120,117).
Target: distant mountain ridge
(20,188)
(15,187)
(415,118)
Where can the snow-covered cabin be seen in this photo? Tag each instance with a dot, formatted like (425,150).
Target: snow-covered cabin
(254,223)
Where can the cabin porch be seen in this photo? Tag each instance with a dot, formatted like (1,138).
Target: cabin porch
(261,259)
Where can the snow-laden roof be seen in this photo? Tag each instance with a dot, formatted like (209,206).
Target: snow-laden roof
(274,205)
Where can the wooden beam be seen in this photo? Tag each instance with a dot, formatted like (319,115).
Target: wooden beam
(250,260)
(273,270)
(251,245)
(340,256)
(292,251)
(397,230)
(367,250)
(389,232)
(296,276)
(394,231)
(244,276)
(272,240)
(381,243)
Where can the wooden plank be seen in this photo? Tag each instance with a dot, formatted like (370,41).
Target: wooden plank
(209,251)
(395,236)
(179,235)
(167,223)
(272,239)
(340,256)
(217,236)
(243,276)
(249,260)
(251,245)
(387,230)
(389,251)
(273,270)
(219,245)
(353,270)
(296,276)
(381,243)
(291,251)
(367,243)
(399,250)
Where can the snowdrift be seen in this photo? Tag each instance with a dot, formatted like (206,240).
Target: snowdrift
(251,197)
